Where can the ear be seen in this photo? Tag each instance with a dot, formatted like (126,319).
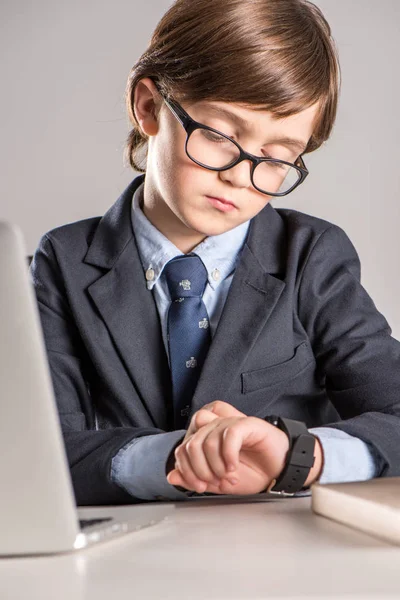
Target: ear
(147,104)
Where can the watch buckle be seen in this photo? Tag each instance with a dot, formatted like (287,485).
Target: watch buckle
(282,493)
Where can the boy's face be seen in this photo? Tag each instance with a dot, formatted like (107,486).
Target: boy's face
(178,191)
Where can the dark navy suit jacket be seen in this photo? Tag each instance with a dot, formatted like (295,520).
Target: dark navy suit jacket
(299,336)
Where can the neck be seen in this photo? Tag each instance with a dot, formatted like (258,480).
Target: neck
(161,217)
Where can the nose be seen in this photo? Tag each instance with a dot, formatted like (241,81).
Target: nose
(239,175)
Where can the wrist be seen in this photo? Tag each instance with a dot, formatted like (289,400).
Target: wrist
(316,470)
(301,466)
(170,463)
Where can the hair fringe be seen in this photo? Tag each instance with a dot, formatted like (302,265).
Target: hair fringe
(276,55)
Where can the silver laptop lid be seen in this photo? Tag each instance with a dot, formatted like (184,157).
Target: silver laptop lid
(37,507)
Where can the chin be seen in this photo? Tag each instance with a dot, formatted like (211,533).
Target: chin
(210,227)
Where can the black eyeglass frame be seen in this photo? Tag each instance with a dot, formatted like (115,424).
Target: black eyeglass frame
(190,125)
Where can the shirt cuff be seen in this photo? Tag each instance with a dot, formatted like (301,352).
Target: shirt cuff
(139,467)
(346,458)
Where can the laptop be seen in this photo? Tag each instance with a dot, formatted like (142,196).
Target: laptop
(38,514)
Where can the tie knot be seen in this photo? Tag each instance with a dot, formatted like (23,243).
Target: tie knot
(186,276)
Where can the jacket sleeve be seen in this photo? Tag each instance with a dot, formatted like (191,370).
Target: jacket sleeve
(357,358)
(89,451)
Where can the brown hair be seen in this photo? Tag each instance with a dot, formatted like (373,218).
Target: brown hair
(275,55)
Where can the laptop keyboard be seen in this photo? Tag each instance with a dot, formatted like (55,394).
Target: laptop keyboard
(83,523)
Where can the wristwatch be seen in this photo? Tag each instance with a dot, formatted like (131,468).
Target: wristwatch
(299,459)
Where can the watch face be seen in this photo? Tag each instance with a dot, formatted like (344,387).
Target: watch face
(273,419)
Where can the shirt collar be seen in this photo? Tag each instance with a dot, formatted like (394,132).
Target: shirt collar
(219,253)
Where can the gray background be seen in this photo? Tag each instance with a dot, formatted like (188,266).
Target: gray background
(63,124)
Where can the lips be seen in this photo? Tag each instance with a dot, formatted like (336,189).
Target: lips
(223,200)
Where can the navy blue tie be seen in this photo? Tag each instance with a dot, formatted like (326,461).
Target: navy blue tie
(188,330)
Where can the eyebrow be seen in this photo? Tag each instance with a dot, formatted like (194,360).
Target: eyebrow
(299,144)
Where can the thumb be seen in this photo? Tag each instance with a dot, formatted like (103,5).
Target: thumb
(200,418)
(223,409)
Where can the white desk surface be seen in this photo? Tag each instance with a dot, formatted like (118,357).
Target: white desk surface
(217,551)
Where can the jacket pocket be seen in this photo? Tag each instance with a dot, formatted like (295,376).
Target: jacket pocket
(269,376)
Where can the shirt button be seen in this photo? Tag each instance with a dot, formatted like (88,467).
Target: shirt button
(149,274)
(216,275)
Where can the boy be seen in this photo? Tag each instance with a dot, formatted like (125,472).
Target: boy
(200,340)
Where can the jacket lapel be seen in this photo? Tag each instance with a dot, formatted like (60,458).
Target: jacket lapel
(130,313)
(253,294)
(128,308)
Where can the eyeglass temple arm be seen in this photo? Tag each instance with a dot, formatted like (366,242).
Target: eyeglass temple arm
(302,165)
(179,113)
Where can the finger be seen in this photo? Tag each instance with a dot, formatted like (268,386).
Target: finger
(198,459)
(195,458)
(223,409)
(204,453)
(185,468)
(175,477)
(200,418)
(231,445)
(212,451)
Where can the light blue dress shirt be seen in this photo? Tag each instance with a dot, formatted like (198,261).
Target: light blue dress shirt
(139,467)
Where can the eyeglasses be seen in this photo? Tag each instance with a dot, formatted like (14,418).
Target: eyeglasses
(216,151)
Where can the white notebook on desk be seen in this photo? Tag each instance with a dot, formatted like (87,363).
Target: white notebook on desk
(371,506)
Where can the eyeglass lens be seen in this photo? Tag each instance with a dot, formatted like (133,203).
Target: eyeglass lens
(216,151)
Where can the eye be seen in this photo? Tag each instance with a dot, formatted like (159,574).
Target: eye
(214,137)
(276,166)
(281,154)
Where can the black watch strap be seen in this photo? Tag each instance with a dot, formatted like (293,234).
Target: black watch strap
(300,456)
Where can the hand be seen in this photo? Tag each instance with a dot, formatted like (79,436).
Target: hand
(208,413)
(226,452)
